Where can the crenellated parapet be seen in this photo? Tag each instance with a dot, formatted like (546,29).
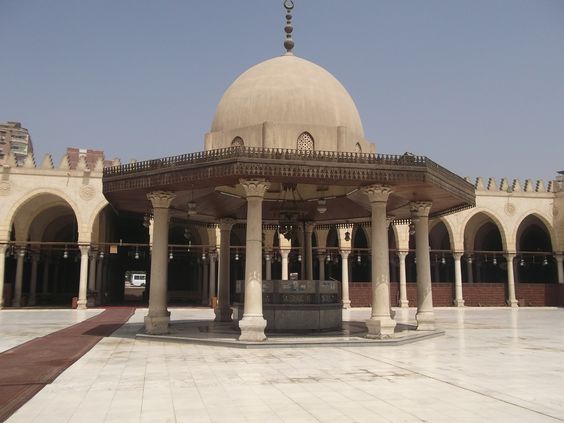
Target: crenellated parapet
(512,185)
(82,164)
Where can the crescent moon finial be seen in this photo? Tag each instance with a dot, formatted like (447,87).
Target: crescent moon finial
(289,42)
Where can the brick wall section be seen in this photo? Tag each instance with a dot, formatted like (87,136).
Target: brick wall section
(475,294)
(483,294)
(538,294)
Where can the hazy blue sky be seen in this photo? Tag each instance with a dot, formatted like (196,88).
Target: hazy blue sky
(478,86)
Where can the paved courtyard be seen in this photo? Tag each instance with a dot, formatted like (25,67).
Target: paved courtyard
(491,365)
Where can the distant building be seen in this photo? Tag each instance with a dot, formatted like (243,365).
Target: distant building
(91,157)
(14,139)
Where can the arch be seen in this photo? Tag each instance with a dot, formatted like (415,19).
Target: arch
(439,236)
(473,223)
(305,142)
(535,246)
(237,142)
(542,220)
(449,230)
(31,196)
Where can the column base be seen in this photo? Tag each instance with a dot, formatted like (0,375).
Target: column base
(404,303)
(346,304)
(513,303)
(81,305)
(157,325)
(223,314)
(459,303)
(380,327)
(425,320)
(31,301)
(252,328)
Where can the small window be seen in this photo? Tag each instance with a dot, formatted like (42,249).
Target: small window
(358,148)
(305,142)
(237,142)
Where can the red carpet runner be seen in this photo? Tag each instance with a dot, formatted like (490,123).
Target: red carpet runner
(27,368)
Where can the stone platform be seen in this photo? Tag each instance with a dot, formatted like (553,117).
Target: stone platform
(205,332)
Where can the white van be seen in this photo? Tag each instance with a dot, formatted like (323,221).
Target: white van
(138,279)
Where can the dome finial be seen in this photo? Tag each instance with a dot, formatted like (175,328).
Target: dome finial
(289,43)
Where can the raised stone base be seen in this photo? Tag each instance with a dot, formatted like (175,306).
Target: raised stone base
(156,325)
(380,327)
(223,314)
(425,320)
(252,328)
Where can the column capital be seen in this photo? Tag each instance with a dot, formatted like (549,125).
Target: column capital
(457,255)
(226,223)
(509,256)
(377,193)
(3,248)
(309,227)
(345,252)
(420,208)
(161,199)
(84,249)
(284,252)
(559,257)
(254,187)
(402,254)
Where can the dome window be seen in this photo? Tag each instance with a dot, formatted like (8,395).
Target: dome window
(237,142)
(305,142)
(357,148)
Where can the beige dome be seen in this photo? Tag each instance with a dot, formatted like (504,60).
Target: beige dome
(289,90)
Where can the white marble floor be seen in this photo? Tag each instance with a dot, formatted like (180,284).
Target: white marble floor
(498,365)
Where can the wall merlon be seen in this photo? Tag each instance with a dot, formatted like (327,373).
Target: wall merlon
(479,185)
(29,162)
(529,187)
(504,185)
(47,162)
(492,185)
(516,185)
(540,186)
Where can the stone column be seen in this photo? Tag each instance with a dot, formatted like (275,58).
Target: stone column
(321,258)
(205,283)
(212,282)
(308,252)
(420,215)
(380,324)
(511,299)
(560,271)
(100,280)
(458,299)
(19,278)
(345,277)
(284,254)
(33,279)
(404,302)
(83,281)
(253,324)
(268,265)
(45,283)
(3,248)
(223,310)
(158,316)
(469,269)
(92,271)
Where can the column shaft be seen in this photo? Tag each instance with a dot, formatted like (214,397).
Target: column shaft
(380,324)
(284,254)
(425,315)
(33,279)
(212,280)
(345,278)
(83,282)
(205,283)
(458,299)
(404,302)
(308,253)
(253,324)
(223,310)
(511,299)
(321,258)
(559,269)
(268,265)
(19,278)
(158,316)
(2,271)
